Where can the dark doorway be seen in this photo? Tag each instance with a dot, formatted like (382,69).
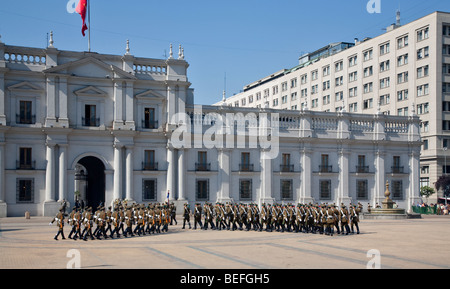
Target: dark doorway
(95,181)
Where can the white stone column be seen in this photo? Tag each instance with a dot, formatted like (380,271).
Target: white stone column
(2,99)
(224,177)
(2,173)
(50,174)
(63,118)
(266,178)
(3,205)
(51,102)
(117,172)
(129,174)
(380,178)
(414,180)
(181,175)
(344,190)
(170,173)
(62,172)
(306,177)
(129,107)
(118,105)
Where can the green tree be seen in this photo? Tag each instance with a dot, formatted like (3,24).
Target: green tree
(426,192)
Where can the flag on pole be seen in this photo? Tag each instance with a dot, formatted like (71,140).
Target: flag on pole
(168,192)
(81,9)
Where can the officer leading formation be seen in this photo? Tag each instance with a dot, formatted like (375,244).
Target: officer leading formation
(129,220)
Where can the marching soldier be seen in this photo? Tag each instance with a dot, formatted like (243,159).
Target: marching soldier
(354,219)
(88,223)
(186,216)
(59,219)
(344,220)
(129,222)
(197,216)
(173,214)
(72,222)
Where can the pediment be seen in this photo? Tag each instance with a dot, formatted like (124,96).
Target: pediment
(25,86)
(90,67)
(90,91)
(150,94)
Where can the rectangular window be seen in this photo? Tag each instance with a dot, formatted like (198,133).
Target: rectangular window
(368,103)
(402,42)
(368,55)
(25,190)
(286,163)
(422,90)
(25,161)
(286,190)
(385,66)
(423,34)
(202,190)
(352,61)
(325,189)
(25,113)
(423,53)
(338,66)
(385,82)
(149,118)
(397,190)
(149,161)
(362,190)
(385,99)
(202,165)
(149,189)
(402,60)
(245,162)
(361,167)
(402,77)
(90,115)
(324,165)
(245,189)
(384,48)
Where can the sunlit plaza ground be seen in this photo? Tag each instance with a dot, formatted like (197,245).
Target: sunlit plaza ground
(410,243)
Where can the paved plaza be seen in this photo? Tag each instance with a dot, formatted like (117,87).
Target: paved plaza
(412,243)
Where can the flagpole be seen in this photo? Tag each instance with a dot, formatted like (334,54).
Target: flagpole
(89,25)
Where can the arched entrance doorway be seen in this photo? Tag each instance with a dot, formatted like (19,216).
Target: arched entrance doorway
(94,181)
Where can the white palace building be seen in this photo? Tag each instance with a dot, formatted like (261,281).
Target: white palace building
(98,127)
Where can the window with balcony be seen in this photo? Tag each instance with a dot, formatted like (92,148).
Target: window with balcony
(90,116)
(245,165)
(286,165)
(149,163)
(149,121)
(396,167)
(202,164)
(25,115)
(25,162)
(324,164)
(361,167)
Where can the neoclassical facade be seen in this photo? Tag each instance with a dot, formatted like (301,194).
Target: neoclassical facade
(98,127)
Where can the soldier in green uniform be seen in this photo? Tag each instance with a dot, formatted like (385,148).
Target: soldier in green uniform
(197,216)
(354,219)
(186,216)
(59,219)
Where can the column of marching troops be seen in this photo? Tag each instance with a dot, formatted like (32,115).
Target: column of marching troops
(139,219)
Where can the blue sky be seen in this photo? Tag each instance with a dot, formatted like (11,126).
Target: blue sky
(242,39)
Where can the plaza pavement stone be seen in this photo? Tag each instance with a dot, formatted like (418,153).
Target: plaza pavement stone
(402,244)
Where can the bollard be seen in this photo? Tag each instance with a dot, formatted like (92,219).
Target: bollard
(27,215)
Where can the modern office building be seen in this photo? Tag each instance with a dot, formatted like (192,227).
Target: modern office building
(96,127)
(405,71)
